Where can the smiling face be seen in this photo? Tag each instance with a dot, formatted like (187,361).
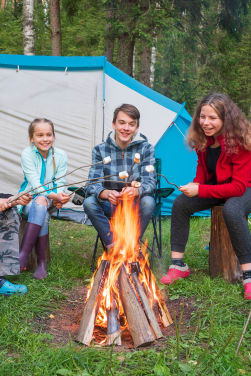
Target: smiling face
(125,128)
(210,121)
(43,137)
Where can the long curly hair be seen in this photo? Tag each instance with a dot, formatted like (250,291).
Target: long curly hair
(236,127)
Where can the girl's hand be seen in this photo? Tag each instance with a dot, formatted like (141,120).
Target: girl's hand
(190,189)
(62,198)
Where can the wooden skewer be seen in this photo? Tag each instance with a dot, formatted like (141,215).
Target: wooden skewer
(53,180)
(60,186)
(243,333)
(168,182)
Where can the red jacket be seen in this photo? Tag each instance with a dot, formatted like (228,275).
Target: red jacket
(233,172)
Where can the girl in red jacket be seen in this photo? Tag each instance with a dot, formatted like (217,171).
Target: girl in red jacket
(221,136)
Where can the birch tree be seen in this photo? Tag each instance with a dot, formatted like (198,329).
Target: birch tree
(28,27)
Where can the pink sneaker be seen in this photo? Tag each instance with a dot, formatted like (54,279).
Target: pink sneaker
(175,272)
(247,289)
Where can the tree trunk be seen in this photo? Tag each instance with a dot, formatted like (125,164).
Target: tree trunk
(109,37)
(222,258)
(145,65)
(3,4)
(56,44)
(28,28)
(125,53)
(126,38)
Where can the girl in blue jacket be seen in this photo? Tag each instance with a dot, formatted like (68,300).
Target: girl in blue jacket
(42,164)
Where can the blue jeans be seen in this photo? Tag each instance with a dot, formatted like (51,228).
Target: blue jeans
(39,215)
(100,212)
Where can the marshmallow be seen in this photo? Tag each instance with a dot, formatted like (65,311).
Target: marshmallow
(137,158)
(149,168)
(107,160)
(123,175)
(135,184)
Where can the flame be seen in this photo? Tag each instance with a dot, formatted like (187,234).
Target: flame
(126,232)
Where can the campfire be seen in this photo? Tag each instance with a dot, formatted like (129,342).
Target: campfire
(123,293)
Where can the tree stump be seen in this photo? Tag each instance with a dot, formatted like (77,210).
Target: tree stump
(222,258)
(32,262)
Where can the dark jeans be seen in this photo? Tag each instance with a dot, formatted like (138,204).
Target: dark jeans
(99,212)
(235,210)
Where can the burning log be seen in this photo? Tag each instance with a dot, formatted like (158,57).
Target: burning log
(146,306)
(113,326)
(139,327)
(91,308)
(163,310)
(164,313)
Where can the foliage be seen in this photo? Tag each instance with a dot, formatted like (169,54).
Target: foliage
(201,45)
(203,345)
(195,58)
(11,37)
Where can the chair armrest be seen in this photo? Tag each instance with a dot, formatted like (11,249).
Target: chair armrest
(164,192)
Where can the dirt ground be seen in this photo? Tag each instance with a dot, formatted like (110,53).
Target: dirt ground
(64,323)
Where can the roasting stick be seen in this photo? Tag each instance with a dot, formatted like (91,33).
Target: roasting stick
(135,161)
(106,160)
(243,333)
(122,175)
(134,184)
(150,168)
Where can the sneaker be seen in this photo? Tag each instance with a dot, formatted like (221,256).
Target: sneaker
(175,272)
(9,288)
(247,289)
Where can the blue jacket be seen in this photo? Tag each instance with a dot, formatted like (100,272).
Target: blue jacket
(122,160)
(38,171)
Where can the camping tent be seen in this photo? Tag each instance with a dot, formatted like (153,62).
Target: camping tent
(79,94)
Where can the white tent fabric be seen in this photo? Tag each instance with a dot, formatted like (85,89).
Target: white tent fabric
(72,101)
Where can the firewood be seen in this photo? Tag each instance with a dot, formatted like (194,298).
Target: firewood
(163,310)
(113,326)
(164,313)
(147,308)
(92,305)
(222,258)
(139,327)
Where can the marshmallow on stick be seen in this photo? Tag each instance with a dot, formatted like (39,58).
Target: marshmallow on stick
(149,168)
(123,174)
(137,158)
(107,160)
(135,184)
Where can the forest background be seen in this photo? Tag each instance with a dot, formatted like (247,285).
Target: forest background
(181,48)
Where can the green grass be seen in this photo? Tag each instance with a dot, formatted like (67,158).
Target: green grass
(206,347)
